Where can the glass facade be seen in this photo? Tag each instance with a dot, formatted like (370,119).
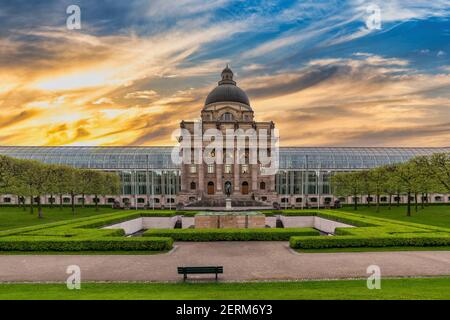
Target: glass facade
(150,170)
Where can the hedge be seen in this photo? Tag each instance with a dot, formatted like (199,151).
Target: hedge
(410,240)
(269,234)
(102,244)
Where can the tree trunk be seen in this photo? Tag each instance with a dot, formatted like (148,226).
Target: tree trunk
(96,202)
(52,200)
(415,201)
(355,201)
(378,202)
(390,201)
(73,202)
(421,201)
(408,212)
(40,216)
(368,200)
(82,201)
(60,201)
(31,204)
(398,199)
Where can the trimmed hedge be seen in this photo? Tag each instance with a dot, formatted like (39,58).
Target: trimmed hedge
(102,244)
(268,234)
(410,240)
(83,235)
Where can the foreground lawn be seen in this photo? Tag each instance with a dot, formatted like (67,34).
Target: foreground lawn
(16,217)
(431,215)
(424,288)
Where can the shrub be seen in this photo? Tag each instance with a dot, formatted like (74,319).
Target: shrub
(411,240)
(101,244)
(231,234)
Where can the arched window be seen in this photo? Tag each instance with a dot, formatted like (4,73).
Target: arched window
(262,185)
(227,116)
(193,185)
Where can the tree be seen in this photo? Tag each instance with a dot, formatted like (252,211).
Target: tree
(391,183)
(408,180)
(74,178)
(42,182)
(62,177)
(24,174)
(366,185)
(438,166)
(7,177)
(95,183)
(346,184)
(378,179)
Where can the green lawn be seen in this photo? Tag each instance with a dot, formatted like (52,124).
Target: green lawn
(15,217)
(423,288)
(432,215)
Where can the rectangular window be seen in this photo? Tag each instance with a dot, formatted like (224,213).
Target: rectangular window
(244,168)
(193,169)
(228,168)
(210,168)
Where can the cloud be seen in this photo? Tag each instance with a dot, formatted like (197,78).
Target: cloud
(145,94)
(137,69)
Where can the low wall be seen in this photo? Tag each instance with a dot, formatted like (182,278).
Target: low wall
(135,225)
(200,222)
(318,223)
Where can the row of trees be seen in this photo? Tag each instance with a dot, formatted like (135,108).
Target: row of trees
(420,176)
(32,179)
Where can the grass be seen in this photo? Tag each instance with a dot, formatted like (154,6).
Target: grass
(409,288)
(432,215)
(15,217)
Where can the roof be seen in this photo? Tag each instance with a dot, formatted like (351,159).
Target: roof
(227,90)
(301,158)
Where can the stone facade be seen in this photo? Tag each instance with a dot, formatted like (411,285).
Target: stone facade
(227,107)
(229,221)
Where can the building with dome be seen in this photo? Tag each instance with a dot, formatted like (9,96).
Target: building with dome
(227,107)
(150,178)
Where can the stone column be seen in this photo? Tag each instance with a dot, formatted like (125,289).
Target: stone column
(254,172)
(183,177)
(236,176)
(219,178)
(201,179)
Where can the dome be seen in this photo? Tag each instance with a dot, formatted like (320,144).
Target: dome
(227,90)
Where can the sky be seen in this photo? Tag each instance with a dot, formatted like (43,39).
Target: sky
(321,70)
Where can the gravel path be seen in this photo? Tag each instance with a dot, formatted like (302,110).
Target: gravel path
(241,261)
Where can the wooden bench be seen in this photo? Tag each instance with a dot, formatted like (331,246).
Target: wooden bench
(199,270)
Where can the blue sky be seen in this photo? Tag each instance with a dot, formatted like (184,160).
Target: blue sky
(136,68)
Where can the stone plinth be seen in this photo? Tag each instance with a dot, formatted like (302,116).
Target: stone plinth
(228,204)
(229,220)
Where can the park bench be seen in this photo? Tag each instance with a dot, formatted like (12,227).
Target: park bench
(199,270)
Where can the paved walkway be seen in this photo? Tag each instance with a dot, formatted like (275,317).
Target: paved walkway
(241,261)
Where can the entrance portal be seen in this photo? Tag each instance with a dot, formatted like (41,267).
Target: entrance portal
(244,189)
(210,187)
